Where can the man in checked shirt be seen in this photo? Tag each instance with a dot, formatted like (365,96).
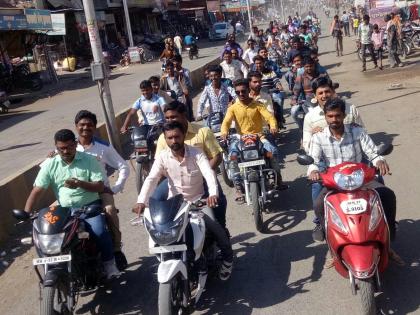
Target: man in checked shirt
(346,143)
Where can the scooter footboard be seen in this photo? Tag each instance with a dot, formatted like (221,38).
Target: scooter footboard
(361,259)
(169,268)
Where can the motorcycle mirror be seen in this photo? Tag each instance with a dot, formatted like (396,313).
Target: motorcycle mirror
(385,148)
(304,159)
(20,214)
(336,85)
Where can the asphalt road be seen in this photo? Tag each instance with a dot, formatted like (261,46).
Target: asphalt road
(280,271)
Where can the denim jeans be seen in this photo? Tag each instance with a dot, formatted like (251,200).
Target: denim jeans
(316,190)
(278,104)
(161,193)
(296,111)
(96,226)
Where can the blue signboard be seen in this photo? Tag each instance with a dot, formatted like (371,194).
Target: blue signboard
(13,22)
(38,19)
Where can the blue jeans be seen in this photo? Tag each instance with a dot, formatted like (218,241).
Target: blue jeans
(97,227)
(298,115)
(316,190)
(161,193)
(278,104)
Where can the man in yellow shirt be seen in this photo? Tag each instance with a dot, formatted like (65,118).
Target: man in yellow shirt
(249,116)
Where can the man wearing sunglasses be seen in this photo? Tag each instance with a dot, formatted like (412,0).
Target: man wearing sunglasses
(249,116)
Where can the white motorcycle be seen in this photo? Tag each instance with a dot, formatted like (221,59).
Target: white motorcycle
(181,274)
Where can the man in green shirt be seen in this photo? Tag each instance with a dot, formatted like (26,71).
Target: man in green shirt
(76,179)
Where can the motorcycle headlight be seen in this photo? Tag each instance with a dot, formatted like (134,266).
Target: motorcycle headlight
(50,244)
(335,218)
(140,143)
(250,154)
(349,182)
(375,214)
(165,235)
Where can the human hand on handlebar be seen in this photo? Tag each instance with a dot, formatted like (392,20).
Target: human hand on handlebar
(317,129)
(139,208)
(314,176)
(273,131)
(383,167)
(223,137)
(212,201)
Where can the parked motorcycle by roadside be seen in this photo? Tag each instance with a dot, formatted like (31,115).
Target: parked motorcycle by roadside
(20,78)
(4,103)
(69,261)
(357,232)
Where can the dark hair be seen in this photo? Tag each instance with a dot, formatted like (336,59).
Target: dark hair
(334,104)
(171,125)
(227,52)
(308,61)
(145,84)
(177,58)
(85,114)
(320,82)
(154,78)
(375,26)
(240,82)
(252,74)
(64,135)
(366,17)
(176,106)
(296,39)
(314,51)
(262,48)
(169,63)
(215,68)
(297,55)
(258,57)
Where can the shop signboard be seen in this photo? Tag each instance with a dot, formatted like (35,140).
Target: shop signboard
(13,22)
(58,24)
(134,54)
(38,19)
(377,15)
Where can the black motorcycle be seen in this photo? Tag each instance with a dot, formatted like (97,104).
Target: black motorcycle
(192,51)
(20,78)
(144,139)
(69,260)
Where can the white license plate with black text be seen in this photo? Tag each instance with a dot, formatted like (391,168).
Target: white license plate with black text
(251,163)
(51,260)
(354,206)
(168,249)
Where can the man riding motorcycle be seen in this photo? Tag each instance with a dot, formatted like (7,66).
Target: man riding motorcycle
(249,116)
(77,180)
(185,166)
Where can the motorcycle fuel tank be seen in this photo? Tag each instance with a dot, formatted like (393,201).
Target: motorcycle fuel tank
(52,220)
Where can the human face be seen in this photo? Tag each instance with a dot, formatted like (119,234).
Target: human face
(177,65)
(170,70)
(234,54)
(147,92)
(242,91)
(227,58)
(263,53)
(255,84)
(155,86)
(251,44)
(85,128)
(335,119)
(259,65)
(175,139)
(297,62)
(309,68)
(66,149)
(215,78)
(315,58)
(173,115)
(323,94)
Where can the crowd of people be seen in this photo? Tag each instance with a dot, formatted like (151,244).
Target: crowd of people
(248,88)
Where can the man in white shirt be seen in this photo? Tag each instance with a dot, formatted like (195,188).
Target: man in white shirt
(250,52)
(232,69)
(185,166)
(178,43)
(109,158)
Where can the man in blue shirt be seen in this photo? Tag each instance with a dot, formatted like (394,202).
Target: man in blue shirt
(149,106)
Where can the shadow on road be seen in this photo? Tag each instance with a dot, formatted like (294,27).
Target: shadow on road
(261,273)
(333,65)
(13,147)
(14,117)
(389,99)
(401,288)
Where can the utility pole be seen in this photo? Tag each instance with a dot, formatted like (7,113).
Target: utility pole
(282,11)
(100,74)
(249,15)
(128,23)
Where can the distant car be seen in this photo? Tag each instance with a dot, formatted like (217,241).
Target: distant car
(220,31)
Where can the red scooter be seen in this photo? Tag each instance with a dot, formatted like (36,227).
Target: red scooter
(357,232)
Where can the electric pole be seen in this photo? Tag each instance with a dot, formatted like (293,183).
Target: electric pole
(128,23)
(100,74)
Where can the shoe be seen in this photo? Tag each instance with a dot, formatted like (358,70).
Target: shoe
(318,234)
(225,270)
(393,66)
(376,66)
(401,65)
(111,270)
(381,68)
(364,70)
(120,260)
(393,256)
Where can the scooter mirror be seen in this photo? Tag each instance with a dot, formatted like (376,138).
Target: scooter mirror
(304,159)
(20,214)
(336,85)
(385,148)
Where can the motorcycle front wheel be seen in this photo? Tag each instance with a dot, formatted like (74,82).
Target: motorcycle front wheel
(36,84)
(142,170)
(54,301)
(223,171)
(416,40)
(170,297)
(367,296)
(254,190)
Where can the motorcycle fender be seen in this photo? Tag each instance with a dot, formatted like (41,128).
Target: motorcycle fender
(169,269)
(199,231)
(52,276)
(361,259)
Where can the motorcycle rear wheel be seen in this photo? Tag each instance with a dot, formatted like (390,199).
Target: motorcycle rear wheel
(36,84)
(170,297)
(50,304)
(367,296)
(416,40)
(254,190)
(223,171)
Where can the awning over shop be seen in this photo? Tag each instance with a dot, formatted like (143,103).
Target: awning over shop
(27,19)
(192,9)
(70,4)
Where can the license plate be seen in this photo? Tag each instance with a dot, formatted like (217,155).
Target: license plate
(354,206)
(252,163)
(51,260)
(167,249)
